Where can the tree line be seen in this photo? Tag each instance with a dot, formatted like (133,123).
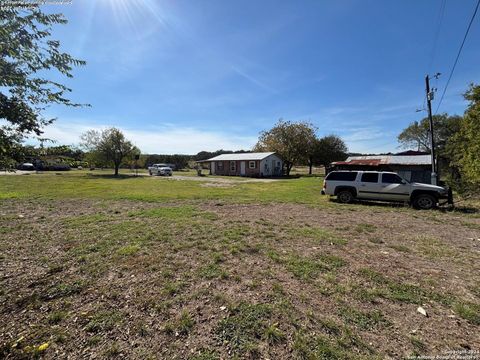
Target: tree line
(457,143)
(298,144)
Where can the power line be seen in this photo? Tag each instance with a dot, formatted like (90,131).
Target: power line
(458,55)
(441,12)
(437,32)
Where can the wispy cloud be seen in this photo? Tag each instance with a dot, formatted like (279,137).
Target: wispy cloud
(252,79)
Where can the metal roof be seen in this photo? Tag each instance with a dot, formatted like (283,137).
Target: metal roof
(240,156)
(375,160)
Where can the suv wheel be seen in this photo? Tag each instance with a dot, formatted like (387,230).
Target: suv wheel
(345,197)
(424,202)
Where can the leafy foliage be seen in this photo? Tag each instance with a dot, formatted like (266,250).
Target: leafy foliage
(291,140)
(26,53)
(327,150)
(465,144)
(108,146)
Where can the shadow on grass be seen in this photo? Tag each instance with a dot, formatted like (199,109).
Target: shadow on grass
(393,205)
(112,176)
(466,210)
(369,203)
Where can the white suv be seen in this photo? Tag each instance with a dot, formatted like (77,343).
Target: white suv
(160,169)
(383,186)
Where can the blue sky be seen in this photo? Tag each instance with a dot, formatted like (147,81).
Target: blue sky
(185,76)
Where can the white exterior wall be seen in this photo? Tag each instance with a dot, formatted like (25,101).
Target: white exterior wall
(269,170)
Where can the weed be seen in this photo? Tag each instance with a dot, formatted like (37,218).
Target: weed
(172,288)
(181,325)
(56,317)
(63,290)
(363,320)
(468,311)
(213,271)
(403,292)
(316,347)
(419,346)
(103,321)
(365,228)
(113,351)
(245,324)
(129,250)
(185,323)
(376,240)
(205,354)
(273,334)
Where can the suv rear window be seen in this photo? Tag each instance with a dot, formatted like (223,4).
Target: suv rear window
(342,176)
(391,179)
(370,177)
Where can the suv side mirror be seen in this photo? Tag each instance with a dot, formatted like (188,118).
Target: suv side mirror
(404,182)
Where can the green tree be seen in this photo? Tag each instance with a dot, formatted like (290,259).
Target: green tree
(27,54)
(465,145)
(291,140)
(108,146)
(327,150)
(416,135)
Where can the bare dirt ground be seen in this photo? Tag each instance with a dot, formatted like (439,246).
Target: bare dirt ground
(212,280)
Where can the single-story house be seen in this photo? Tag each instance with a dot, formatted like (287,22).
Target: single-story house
(260,164)
(411,165)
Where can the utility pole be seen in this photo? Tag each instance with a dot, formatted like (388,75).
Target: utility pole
(430,119)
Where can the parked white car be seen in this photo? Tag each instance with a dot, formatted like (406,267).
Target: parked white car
(383,186)
(160,169)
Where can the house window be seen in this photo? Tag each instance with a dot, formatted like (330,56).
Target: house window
(233,166)
(220,165)
(252,164)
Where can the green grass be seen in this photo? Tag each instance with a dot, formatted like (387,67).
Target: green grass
(103,321)
(309,268)
(468,311)
(182,325)
(231,282)
(245,325)
(81,185)
(364,320)
(402,292)
(319,235)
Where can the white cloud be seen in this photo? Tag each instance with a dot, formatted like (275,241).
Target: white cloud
(167,139)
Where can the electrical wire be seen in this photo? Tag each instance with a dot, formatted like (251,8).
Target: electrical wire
(458,56)
(441,12)
(437,32)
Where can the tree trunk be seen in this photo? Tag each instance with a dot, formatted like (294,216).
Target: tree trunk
(289,167)
(310,165)
(116,169)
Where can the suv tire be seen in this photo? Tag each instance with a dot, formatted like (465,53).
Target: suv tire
(424,202)
(345,196)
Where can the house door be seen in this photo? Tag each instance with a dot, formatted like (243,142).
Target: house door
(212,168)
(242,168)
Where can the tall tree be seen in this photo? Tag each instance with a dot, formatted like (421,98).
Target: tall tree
(465,145)
(109,145)
(327,150)
(416,135)
(291,140)
(445,128)
(27,54)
